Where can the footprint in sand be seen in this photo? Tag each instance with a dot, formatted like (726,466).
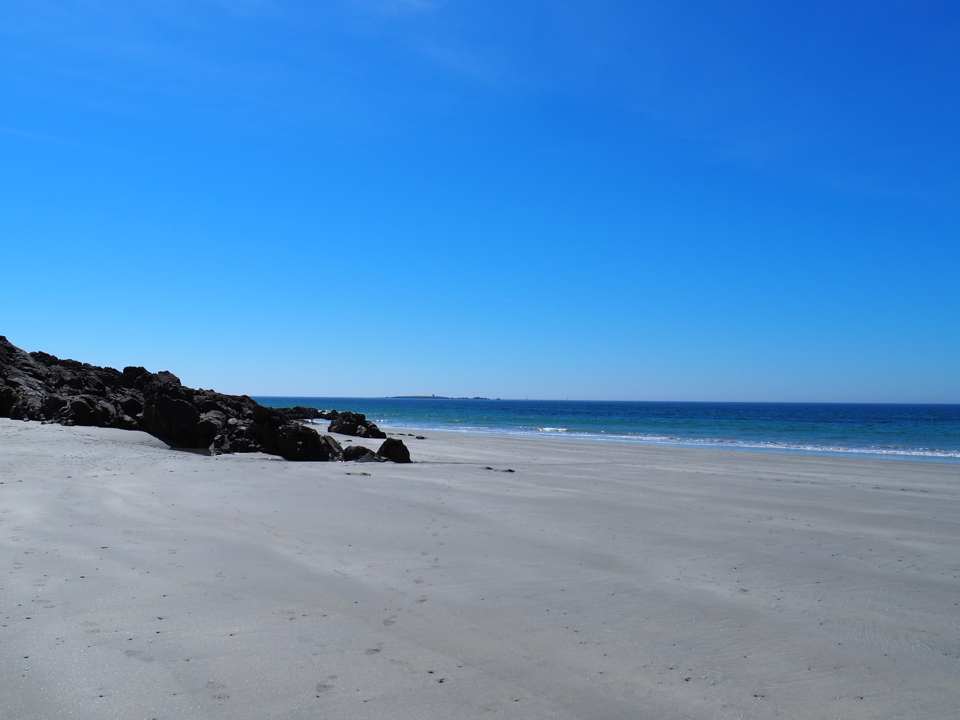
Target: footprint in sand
(139,655)
(217,691)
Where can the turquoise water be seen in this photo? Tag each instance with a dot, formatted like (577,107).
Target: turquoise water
(919,431)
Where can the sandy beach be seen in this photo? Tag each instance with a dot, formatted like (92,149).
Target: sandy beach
(596,581)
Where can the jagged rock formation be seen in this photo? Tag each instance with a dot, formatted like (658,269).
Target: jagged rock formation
(40,386)
(356,424)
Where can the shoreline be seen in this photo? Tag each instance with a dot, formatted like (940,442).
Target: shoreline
(904,431)
(921,456)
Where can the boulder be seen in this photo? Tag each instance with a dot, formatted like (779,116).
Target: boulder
(295,441)
(130,404)
(172,419)
(234,443)
(356,424)
(8,399)
(298,412)
(131,375)
(210,424)
(394,450)
(165,377)
(52,405)
(359,453)
(89,410)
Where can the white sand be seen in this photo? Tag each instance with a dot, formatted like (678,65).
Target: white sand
(597,581)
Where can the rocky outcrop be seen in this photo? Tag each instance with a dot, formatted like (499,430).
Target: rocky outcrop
(356,424)
(394,450)
(40,386)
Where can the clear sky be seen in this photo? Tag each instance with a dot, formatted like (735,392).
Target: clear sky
(603,199)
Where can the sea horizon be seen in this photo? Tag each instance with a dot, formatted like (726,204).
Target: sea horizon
(261,396)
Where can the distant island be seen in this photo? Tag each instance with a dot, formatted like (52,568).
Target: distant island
(435,397)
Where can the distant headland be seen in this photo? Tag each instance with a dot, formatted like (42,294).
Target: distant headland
(435,397)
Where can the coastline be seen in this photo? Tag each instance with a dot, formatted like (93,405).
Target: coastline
(594,581)
(907,430)
(668,442)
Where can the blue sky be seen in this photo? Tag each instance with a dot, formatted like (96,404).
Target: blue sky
(623,200)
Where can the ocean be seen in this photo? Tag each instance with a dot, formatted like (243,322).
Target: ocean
(907,431)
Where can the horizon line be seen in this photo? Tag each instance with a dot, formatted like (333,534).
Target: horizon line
(476,398)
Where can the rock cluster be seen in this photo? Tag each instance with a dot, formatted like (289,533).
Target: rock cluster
(391,450)
(298,412)
(39,386)
(356,424)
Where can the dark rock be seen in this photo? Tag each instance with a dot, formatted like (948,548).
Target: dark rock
(132,375)
(172,419)
(89,410)
(236,443)
(299,442)
(207,402)
(52,405)
(168,378)
(298,412)
(7,400)
(394,450)
(131,405)
(210,424)
(356,424)
(44,358)
(359,453)
(80,411)
(40,386)
(336,450)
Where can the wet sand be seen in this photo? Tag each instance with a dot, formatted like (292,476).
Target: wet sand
(596,581)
